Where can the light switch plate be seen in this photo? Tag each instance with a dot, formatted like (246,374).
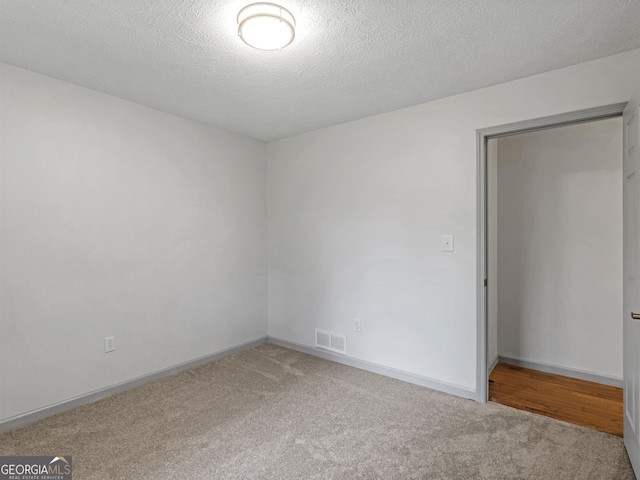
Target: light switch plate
(447,243)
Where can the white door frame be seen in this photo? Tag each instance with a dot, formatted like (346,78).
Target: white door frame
(483,135)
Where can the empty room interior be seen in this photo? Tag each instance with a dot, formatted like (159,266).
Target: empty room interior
(318,239)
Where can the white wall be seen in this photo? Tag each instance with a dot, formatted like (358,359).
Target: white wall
(117,219)
(492,251)
(560,247)
(120,220)
(356,213)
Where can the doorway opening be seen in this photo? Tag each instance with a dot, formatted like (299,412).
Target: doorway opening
(558,266)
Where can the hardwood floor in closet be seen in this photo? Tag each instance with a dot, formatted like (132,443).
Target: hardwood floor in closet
(574,401)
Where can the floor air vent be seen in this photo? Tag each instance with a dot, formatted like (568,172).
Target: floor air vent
(330,341)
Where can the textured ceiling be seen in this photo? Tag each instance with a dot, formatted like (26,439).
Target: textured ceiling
(350,59)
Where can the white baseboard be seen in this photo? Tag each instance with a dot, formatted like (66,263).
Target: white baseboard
(29,417)
(453,389)
(559,370)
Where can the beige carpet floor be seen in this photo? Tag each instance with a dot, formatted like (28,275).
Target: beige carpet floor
(273,413)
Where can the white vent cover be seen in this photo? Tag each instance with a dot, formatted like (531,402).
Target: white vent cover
(331,341)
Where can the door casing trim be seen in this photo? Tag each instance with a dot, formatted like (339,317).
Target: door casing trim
(482,137)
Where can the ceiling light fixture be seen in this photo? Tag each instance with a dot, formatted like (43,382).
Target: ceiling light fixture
(266,26)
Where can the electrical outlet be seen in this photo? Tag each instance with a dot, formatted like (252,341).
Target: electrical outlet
(109,344)
(447,243)
(356,325)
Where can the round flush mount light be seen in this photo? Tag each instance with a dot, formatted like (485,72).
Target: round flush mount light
(266,26)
